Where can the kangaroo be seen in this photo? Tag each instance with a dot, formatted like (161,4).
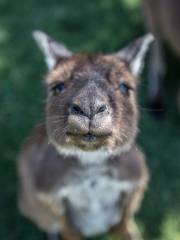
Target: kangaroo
(81,173)
(163,19)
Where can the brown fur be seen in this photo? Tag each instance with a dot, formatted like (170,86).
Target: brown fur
(43,169)
(75,72)
(36,201)
(163,20)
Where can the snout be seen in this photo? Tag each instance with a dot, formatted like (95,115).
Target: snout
(90,112)
(89,120)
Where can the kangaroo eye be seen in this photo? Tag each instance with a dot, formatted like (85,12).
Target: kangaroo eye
(124,88)
(58,88)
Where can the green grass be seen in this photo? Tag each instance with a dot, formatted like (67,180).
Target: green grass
(103,26)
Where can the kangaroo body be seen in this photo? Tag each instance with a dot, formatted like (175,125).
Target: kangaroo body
(81,173)
(96,196)
(163,20)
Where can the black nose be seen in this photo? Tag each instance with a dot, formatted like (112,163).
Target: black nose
(90,112)
(76,110)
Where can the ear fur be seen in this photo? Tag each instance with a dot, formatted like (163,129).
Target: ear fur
(52,50)
(135,52)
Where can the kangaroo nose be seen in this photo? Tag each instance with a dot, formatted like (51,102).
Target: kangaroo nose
(77,110)
(90,111)
(100,109)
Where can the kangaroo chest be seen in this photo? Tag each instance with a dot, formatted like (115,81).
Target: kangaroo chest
(94,199)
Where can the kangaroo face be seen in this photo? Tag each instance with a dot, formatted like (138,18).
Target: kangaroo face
(91,101)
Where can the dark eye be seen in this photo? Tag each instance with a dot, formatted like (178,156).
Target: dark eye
(58,88)
(124,88)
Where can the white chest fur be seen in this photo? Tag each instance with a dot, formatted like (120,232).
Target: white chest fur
(93,199)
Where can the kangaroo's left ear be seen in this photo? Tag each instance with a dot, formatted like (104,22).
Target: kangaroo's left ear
(135,52)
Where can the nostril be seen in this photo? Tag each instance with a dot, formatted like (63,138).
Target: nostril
(75,109)
(102,108)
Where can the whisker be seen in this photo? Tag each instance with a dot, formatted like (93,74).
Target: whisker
(57,121)
(57,105)
(151,110)
(39,124)
(57,130)
(56,117)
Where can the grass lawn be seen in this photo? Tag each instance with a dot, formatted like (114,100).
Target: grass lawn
(102,26)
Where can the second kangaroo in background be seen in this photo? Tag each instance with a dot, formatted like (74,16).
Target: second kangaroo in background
(81,173)
(163,19)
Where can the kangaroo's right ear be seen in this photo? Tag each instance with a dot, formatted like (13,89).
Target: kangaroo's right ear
(52,50)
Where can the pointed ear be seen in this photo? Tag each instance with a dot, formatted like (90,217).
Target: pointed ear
(135,53)
(52,50)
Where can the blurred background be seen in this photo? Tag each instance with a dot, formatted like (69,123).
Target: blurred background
(101,26)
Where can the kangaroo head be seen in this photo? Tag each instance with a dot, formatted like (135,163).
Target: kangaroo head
(91,100)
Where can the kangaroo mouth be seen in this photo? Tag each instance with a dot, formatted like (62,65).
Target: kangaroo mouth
(90,137)
(89,141)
